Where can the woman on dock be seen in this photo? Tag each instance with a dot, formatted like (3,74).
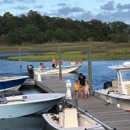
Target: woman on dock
(81,82)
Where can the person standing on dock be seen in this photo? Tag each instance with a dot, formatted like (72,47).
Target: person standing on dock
(76,89)
(81,82)
(53,62)
(86,90)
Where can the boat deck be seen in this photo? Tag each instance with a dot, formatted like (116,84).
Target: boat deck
(110,115)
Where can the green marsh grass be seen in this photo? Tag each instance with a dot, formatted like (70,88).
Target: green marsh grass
(72,51)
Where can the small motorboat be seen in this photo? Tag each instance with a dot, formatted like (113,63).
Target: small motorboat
(22,105)
(51,70)
(11,83)
(117,92)
(70,119)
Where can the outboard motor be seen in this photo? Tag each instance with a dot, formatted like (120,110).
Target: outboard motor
(59,107)
(30,69)
(107,84)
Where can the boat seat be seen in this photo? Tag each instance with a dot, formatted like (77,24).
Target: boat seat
(114,87)
(110,89)
(115,84)
(128,89)
(128,86)
(70,118)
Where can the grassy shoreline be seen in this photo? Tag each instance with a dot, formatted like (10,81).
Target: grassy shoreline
(72,51)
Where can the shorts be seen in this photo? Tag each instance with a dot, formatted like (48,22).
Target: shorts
(76,90)
(53,65)
(81,88)
(87,92)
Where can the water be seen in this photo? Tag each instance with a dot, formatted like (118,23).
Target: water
(100,74)
(4,55)
(32,122)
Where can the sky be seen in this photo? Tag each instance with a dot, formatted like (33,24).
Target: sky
(86,10)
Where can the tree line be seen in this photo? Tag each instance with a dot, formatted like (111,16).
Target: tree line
(37,29)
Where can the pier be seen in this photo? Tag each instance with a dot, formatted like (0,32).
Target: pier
(113,117)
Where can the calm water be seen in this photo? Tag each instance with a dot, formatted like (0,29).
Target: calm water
(100,74)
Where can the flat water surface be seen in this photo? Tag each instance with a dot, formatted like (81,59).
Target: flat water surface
(100,74)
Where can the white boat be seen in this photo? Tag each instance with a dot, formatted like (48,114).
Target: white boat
(11,83)
(22,105)
(51,70)
(117,92)
(70,119)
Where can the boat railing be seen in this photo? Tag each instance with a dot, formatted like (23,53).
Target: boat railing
(2,98)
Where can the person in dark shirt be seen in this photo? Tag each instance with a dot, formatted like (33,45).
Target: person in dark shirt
(81,82)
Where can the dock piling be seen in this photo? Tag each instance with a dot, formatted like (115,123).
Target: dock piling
(39,75)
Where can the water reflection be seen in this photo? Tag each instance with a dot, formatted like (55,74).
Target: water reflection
(33,122)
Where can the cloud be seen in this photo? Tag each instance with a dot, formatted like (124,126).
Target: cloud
(62,4)
(125,6)
(100,0)
(27,1)
(114,16)
(7,1)
(86,15)
(39,6)
(22,7)
(109,6)
(68,10)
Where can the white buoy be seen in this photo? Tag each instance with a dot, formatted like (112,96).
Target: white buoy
(68,91)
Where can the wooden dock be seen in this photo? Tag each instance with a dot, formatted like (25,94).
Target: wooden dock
(110,115)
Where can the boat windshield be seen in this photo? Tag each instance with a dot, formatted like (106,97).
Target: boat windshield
(125,76)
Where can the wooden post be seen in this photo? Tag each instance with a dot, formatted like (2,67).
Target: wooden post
(20,62)
(60,71)
(90,69)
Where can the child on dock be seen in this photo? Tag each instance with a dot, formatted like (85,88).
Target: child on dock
(76,89)
(86,90)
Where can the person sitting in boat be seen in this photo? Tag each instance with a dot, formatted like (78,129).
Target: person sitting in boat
(42,65)
(53,62)
(57,63)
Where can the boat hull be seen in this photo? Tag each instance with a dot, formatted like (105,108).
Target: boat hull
(11,83)
(64,69)
(121,101)
(39,103)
